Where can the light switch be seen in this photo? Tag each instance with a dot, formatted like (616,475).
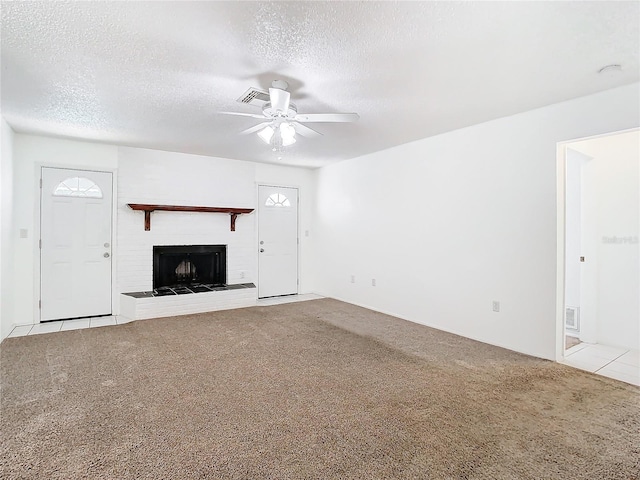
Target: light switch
(24,233)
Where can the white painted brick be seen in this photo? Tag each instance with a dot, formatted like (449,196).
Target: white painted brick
(148,176)
(171,305)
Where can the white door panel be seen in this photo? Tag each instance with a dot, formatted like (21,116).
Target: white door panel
(76,243)
(278,241)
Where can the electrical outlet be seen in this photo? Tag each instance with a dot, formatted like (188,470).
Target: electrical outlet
(353,279)
(373,282)
(241,274)
(496,306)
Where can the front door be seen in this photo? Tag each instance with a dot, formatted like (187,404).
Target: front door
(278,241)
(75,249)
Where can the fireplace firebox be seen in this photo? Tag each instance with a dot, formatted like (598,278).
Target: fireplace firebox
(189,265)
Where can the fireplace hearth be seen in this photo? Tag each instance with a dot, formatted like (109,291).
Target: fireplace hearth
(181,269)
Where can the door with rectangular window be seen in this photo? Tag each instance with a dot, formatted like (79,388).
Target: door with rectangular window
(75,248)
(278,241)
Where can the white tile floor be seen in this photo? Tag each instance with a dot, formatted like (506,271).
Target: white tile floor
(65,325)
(612,362)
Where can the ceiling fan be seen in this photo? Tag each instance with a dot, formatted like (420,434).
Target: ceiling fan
(281,118)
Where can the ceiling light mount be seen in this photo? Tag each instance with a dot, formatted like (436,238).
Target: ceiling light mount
(281,84)
(269,111)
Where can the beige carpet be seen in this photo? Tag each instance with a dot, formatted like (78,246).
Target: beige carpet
(310,390)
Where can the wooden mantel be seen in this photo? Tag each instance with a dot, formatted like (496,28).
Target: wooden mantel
(147,209)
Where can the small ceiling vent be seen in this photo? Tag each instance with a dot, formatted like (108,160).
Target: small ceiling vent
(253,96)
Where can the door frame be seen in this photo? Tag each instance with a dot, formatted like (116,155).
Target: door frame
(298,231)
(37,267)
(561,179)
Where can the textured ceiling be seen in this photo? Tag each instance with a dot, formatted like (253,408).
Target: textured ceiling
(156,74)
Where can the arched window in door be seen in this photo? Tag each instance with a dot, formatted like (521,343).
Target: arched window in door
(77,187)
(277,200)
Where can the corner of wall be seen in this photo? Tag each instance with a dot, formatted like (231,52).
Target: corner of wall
(6,229)
(435,230)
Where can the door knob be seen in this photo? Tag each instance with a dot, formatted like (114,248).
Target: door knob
(105,254)
(261,250)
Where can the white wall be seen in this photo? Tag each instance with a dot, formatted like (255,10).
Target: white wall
(450,223)
(30,154)
(305,180)
(445,225)
(149,176)
(6,230)
(611,226)
(167,178)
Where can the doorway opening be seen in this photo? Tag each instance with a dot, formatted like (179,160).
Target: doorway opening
(598,307)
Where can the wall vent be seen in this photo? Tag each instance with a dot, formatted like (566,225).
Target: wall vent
(572,319)
(254,96)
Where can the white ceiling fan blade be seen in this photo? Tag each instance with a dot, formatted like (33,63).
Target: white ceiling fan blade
(306,131)
(255,128)
(327,117)
(252,115)
(279,100)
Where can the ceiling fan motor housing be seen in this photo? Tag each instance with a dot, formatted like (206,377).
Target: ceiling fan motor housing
(268,111)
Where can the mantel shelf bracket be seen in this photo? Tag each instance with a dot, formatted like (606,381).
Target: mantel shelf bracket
(147,209)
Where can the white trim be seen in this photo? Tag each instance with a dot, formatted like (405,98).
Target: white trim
(560,248)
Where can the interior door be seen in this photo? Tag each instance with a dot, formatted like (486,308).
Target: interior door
(75,248)
(278,241)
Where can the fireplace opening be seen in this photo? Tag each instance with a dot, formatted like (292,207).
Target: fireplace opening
(198,267)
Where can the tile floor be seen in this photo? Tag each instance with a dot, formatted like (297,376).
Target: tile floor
(612,362)
(64,325)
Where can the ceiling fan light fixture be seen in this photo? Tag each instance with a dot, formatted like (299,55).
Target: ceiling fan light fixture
(280,118)
(288,141)
(281,135)
(266,134)
(288,132)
